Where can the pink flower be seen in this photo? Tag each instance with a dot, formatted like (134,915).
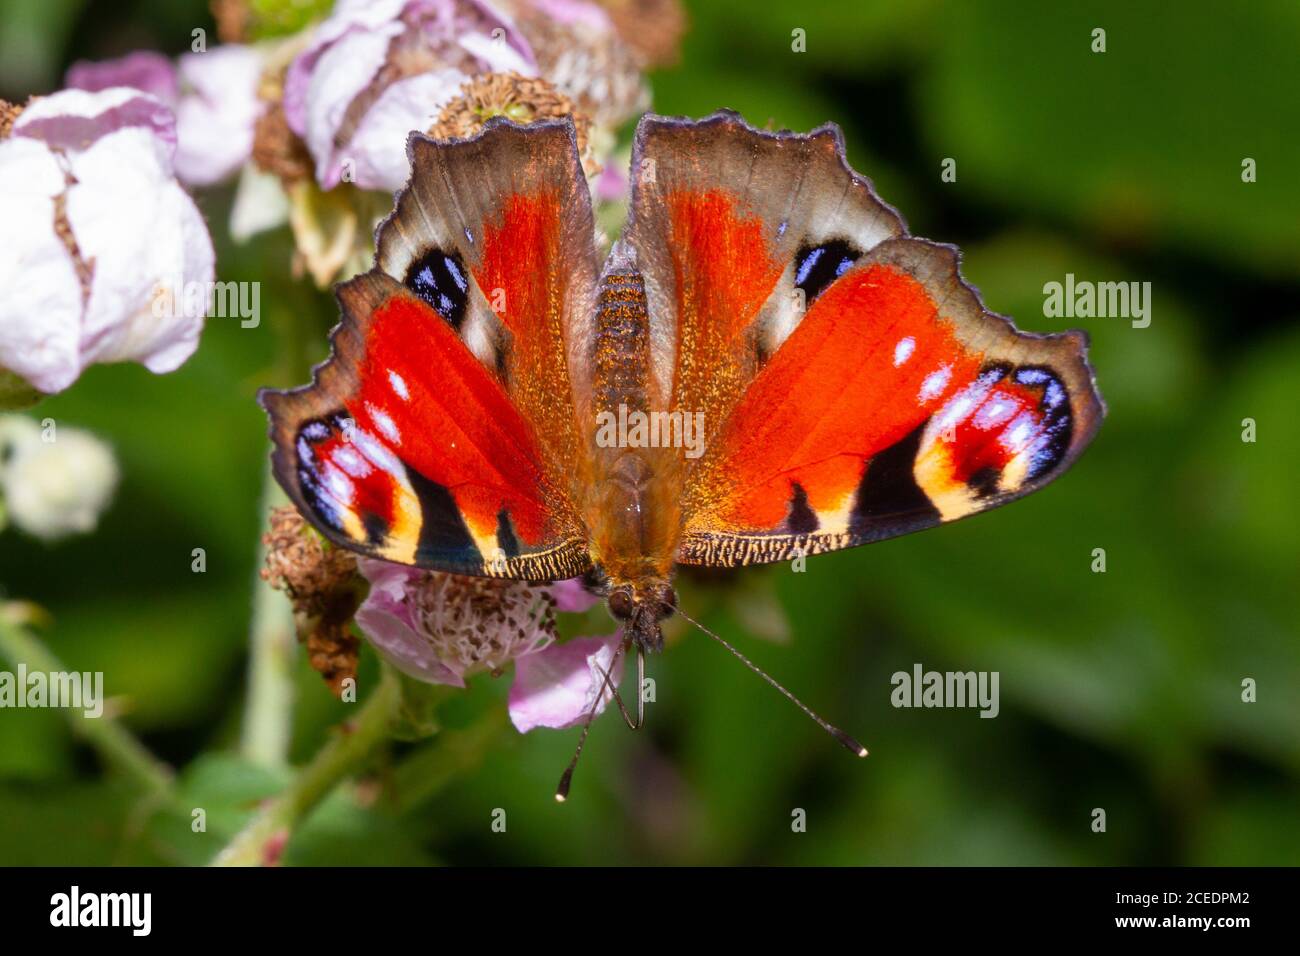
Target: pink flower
(378,69)
(214,97)
(442,628)
(557,687)
(142,70)
(96,233)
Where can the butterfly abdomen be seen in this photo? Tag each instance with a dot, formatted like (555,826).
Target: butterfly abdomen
(622,343)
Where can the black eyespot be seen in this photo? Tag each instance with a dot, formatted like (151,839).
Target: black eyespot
(440,279)
(1057,423)
(816,267)
(621,604)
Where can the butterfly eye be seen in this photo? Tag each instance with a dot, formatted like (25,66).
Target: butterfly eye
(667,603)
(621,604)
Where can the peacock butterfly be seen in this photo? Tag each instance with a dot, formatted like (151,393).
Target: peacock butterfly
(844,383)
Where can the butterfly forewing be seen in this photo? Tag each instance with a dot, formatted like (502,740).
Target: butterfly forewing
(442,431)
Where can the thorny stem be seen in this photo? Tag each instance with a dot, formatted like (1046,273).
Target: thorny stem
(117,745)
(262,840)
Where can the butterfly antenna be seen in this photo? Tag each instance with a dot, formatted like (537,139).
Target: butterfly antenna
(848,742)
(566,779)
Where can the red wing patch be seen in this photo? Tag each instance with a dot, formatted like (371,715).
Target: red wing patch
(723,273)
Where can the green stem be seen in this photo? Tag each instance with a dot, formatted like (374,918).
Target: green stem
(261,840)
(110,739)
(454,753)
(273,644)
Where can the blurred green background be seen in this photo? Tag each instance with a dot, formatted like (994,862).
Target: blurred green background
(1119,690)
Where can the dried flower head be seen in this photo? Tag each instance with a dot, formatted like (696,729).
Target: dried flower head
(279,150)
(580,50)
(520,98)
(9,112)
(303,565)
(481,624)
(322,584)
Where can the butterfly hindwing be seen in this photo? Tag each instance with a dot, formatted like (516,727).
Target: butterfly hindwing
(853,386)
(440,433)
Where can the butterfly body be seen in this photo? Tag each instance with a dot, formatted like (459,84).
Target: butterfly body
(767,366)
(630,508)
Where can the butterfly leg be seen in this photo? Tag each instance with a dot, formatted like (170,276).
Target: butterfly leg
(640,682)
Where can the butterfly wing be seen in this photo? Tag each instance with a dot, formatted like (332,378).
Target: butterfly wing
(440,432)
(852,386)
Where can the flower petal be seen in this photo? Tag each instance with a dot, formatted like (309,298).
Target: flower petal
(216,115)
(351,119)
(571,12)
(498,57)
(410,104)
(153,258)
(260,204)
(342,73)
(358,67)
(571,597)
(144,70)
(40,294)
(385,618)
(612,184)
(76,119)
(556,687)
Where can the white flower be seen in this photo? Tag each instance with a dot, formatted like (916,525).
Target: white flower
(54,480)
(213,94)
(94,231)
(216,113)
(378,69)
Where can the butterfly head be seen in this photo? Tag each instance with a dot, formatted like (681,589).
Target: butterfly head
(640,609)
